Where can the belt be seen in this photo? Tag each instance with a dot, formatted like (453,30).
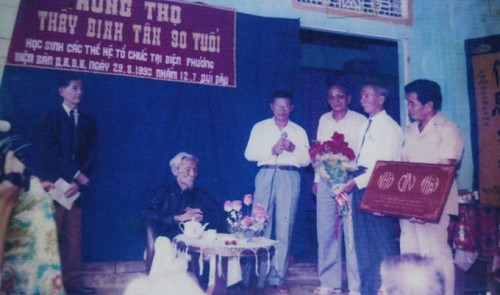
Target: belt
(280,167)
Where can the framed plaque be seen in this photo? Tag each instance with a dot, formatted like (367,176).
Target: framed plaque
(408,190)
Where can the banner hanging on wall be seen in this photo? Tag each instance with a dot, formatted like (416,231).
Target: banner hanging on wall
(163,40)
(483,58)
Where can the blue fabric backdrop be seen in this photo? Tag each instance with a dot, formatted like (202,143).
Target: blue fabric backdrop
(143,123)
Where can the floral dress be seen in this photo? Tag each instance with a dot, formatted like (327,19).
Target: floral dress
(32,264)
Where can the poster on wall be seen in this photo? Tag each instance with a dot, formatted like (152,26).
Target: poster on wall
(483,59)
(157,39)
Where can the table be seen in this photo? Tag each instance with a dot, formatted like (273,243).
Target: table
(223,247)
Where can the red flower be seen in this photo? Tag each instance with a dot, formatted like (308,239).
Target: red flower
(336,145)
(338,137)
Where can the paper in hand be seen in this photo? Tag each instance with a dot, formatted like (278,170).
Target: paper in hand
(57,193)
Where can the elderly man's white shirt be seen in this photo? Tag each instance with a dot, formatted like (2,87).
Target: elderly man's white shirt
(382,143)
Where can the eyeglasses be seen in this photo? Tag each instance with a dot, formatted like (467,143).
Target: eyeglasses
(337,96)
(282,107)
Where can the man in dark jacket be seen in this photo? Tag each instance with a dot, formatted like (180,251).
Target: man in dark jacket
(67,140)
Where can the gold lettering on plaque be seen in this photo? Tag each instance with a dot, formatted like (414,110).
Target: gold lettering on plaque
(385,180)
(429,184)
(406,182)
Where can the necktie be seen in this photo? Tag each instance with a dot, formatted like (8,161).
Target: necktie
(73,129)
(72,118)
(363,140)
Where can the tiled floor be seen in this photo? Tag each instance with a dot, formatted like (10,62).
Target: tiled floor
(112,278)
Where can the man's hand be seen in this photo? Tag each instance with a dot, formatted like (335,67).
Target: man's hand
(416,220)
(82,179)
(288,145)
(73,189)
(278,148)
(283,144)
(47,185)
(315,188)
(190,213)
(349,186)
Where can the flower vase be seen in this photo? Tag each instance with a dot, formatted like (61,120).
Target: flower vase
(245,236)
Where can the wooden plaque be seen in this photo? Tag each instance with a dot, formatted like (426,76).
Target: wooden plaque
(408,190)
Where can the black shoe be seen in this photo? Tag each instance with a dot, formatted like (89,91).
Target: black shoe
(80,290)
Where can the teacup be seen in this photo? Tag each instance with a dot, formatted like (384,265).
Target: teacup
(210,234)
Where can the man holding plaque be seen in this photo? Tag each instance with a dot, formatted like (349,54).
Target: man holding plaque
(374,235)
(432,139)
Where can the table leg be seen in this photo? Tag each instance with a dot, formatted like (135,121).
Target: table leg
(220,286)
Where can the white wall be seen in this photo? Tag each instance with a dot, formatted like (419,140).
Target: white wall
(433,48)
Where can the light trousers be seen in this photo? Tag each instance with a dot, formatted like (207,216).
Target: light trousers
(430,239)
(330,246)
(278,191)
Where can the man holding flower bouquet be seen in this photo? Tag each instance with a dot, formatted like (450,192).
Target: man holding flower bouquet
(332,225)
(280,148)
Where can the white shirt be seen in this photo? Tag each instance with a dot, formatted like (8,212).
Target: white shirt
(382,142)
(441,139)
(68,110)
(349,126)
(264,136)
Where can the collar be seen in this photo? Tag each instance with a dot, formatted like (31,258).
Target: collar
(437,120)
(379,115)
(67,109)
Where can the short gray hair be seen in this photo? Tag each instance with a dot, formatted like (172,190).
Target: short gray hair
(411,274)
(175,162)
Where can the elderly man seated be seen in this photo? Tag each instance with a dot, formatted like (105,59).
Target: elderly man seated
(178,201)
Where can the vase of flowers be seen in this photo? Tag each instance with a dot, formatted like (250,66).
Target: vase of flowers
(333,160)
(245,227)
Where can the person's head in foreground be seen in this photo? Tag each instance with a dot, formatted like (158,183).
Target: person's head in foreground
(411,274)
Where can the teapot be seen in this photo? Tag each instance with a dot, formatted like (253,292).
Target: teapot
(192,228)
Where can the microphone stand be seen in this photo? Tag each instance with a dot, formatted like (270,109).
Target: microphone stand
(284,135)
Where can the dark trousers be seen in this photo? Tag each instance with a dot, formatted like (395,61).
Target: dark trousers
(374,240)
(69,226)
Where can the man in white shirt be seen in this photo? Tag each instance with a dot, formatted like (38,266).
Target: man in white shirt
(380,139)
(339,119)
(280,148)
(435,139)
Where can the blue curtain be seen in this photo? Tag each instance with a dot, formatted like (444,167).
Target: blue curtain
(143,123)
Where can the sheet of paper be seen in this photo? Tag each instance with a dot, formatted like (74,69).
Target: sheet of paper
(57,194)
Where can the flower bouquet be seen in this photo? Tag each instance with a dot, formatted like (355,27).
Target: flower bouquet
(332,160)
(245,226)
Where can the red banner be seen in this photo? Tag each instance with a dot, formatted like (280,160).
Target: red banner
(164,40)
